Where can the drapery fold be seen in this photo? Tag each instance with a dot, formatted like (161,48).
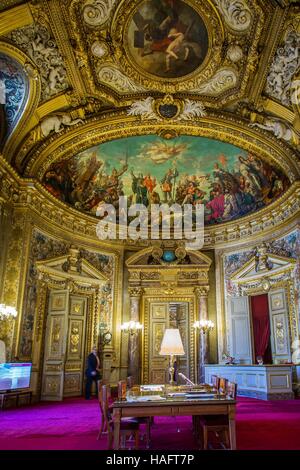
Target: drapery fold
(261,326)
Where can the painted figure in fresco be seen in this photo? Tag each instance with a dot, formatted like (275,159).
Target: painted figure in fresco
(140,190)
(167,184)
(150,183)
(175,47)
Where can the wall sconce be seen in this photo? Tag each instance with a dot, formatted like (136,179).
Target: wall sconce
(132,327)
(204,325)
(7,311)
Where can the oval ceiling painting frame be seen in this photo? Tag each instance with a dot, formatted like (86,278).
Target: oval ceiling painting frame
(167,38)
(230,182)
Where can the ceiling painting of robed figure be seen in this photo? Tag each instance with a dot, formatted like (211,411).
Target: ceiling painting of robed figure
(230,182)
(167,38)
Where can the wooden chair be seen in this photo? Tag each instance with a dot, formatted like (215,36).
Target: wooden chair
(222,385)
(103,427)
(130,381)
(122,386)
(128,426)
(147,420)
(219,424)
(215,381)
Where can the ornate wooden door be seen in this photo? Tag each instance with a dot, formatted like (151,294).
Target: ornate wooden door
(280,332)
(75,359)
(55,345)
(64,356)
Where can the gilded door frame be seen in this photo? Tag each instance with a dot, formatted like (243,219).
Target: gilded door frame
(151,296)
(51,277)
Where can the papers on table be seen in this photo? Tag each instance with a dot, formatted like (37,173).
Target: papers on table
(147,398)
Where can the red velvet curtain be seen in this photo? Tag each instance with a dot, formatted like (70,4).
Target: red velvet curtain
(261,326)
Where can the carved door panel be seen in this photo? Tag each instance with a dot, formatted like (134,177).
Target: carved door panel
(55,345)
(280,336)
(158,322)
(75,360)
(240,330)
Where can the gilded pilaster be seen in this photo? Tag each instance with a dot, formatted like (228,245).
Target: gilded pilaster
(202,294)
(134,337)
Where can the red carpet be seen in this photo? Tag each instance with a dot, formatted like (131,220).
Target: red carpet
(74,423)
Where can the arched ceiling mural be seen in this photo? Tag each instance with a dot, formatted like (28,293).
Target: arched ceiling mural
(230,182)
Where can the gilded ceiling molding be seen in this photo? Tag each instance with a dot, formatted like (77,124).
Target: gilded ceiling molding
(14,18)
(58,12)
(34,91)
(273,27)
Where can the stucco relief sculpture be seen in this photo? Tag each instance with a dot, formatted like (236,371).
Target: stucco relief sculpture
(285,65)
(111,76)
(147,110)
(37,42)
(222,81)
(56,123)
(97,12)
(280,130)
(237,14)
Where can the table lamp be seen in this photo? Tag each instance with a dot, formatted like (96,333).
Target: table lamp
(171,346)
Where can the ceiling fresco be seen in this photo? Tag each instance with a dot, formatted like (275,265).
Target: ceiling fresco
(230,182)
(167,38)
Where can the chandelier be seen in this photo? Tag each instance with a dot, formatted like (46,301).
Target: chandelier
(204,325)
(132,327)
(7,311)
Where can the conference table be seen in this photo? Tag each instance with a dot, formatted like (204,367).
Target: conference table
(175,405)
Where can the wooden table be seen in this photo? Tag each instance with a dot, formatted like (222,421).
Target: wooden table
(175,407)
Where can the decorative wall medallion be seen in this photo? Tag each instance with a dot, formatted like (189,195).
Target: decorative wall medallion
(168,38)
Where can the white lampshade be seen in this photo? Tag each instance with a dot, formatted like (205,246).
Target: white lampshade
(171,344)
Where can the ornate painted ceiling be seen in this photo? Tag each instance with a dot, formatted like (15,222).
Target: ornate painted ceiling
(160,73)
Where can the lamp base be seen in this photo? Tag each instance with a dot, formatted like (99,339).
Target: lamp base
(171,371)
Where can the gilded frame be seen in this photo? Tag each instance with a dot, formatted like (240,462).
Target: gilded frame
(120,25)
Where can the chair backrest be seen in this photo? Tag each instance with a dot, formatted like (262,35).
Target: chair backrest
(215,380)
(122,385)
(130,381)
(222,385)
(104,395)
(231,390)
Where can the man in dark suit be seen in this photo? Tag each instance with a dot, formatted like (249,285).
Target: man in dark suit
(92,372)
